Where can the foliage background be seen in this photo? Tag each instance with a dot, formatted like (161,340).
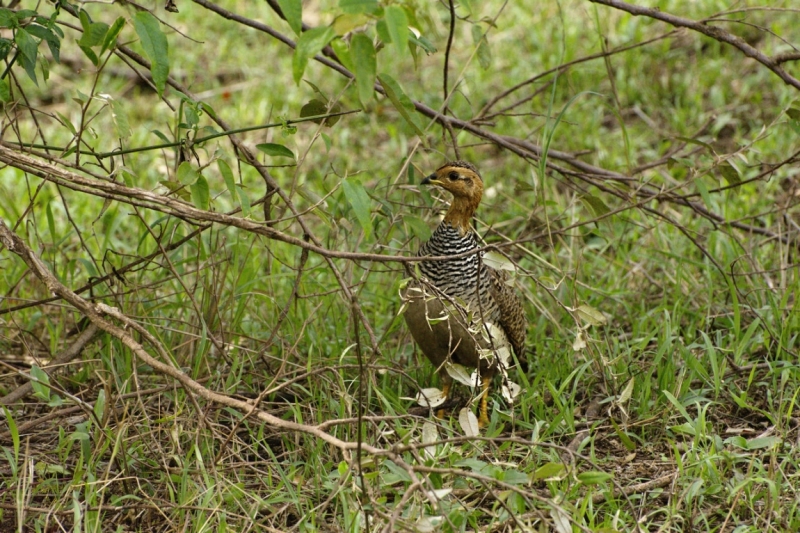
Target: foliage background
(223,350)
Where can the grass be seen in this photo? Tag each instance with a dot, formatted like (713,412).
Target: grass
(676,412)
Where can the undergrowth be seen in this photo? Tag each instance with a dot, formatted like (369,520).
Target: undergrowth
(655,249)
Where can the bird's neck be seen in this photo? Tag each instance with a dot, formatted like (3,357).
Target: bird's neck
(460,213)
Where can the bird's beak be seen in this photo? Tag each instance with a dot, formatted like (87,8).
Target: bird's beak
(430,180)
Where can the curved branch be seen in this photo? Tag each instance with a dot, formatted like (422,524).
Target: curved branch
(714,32)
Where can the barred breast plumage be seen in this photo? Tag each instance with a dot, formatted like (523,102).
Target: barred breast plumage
(484,314)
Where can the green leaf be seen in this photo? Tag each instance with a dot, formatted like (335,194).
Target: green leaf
(7,18)
(27,47)
(423,43)
(5,91)
(244,200)
(419,228)
(730,173)
(100,404)
(187,174)
(686,429)
(343,53)
(498,261)
(161,136)
(358,6)
(40,383)
(53,42)
(397,25)
(90,54)
(13,430)
(155,46)
(346,23)
(737,441)
(93,34)
(275,150)
(793,113)
(674,401)
(110,39)
(317,90)
(208,109)
(623,436)
(51,222)
(703,190)
(45,65)
(359,200)
(313,108)
(401,102)
(52,26)
(383,31)
(590,315)
(362,53)
(23,14)
(293,12)
(318,107)
(484,53)
(593,477)
(762,442)
(191,116)
(598,206)
(5,47)
(120,119)
(227,175)
(548,470)
(200,195)
(308,45)
(85,19)
(30,69)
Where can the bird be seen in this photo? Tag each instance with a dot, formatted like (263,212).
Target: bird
(461,310)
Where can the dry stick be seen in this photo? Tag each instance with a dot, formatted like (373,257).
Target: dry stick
(591,175)
(118,272)
(520,147)
(529,495)
(274,188)
(184,210)
(662,481)
(785,58)
(360,410)
(95,313)
(335,65)
(181,209)
(289,301)
(281,317)
(714,32)
(70,353)
(445,71)
(564,66)
(446,67)
(218,343)
(601,497)
(26,426)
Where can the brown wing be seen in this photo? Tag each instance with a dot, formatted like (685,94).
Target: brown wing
(512,315)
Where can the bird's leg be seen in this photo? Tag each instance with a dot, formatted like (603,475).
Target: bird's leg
(447,381)
(483,419)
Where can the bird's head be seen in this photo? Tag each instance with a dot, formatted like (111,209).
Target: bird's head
(461,179)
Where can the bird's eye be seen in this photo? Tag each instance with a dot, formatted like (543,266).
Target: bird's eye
(453,176)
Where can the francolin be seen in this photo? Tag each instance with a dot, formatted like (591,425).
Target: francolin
(462,310)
